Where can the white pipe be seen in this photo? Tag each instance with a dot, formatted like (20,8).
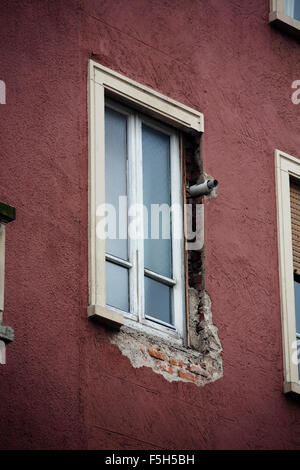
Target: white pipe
(203,188)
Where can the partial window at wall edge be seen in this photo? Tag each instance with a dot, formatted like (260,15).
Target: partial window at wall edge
(285,15)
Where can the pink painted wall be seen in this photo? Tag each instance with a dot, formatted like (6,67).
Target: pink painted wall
(65,385)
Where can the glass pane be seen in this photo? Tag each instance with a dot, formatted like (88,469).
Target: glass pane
(297,10)
(297,303)
(298,355)
(292,8)
(289,7)
(156,189)
(116,175)
(158,300)
(117,286)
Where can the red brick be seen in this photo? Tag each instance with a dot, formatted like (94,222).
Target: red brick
(157,354)
(174,362)
(164,367)
(196,369)
(186,375)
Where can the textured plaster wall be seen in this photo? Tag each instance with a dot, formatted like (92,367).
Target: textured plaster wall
(40,175)
(66,385)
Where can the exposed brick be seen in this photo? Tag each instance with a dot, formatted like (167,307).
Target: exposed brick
(157,354)
(164,367)
(197,369)
(179,363)
(186,375)
(174,362)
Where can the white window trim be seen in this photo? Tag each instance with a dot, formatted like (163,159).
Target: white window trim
(286,166)
(278,16)
(103,81)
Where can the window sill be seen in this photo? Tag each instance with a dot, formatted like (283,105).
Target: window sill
(152,329)
(106,315)
(115,319)
(6,334)
(285,23)
(291,388)
(7,213)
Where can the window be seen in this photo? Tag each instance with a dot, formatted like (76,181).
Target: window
(136,273)
(288,209)
(7,215)
(295,224)
(142,168)
(286,15)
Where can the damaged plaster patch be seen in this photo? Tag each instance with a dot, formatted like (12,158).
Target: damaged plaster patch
(203,333)
(199,364)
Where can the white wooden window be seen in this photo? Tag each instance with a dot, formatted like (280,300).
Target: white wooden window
(7,215)
(143,163)
(286,14)
(287,170)
(134,153)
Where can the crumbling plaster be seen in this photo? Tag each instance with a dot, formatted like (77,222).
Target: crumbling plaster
(200,363)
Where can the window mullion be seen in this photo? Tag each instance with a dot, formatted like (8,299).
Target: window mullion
(132,177)
(140,213)
(177,235)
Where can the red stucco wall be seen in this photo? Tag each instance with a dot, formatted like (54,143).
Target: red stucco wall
(65,385)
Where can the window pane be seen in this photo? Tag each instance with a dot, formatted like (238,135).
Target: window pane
(156,190)
(116,175)
(297,303)
(292,8)
(297,10)
(298,356)
(117,286)
(289,7)
(158,300)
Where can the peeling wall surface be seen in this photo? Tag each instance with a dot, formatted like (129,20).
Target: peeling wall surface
(69,382)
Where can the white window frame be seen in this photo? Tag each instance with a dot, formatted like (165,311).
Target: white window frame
(287,166)
(279,17)
(103,83)
(136,246)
